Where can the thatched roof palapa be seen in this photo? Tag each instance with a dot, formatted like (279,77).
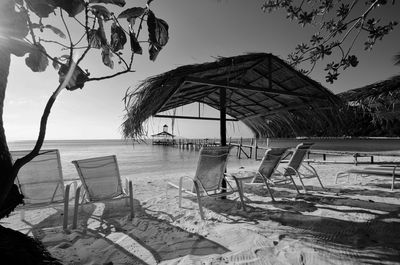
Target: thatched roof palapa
(262,91)
(380,99)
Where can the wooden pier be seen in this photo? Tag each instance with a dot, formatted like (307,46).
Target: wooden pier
(325,150)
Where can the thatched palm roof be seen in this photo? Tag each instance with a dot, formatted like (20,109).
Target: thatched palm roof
(381,99)
(262,91)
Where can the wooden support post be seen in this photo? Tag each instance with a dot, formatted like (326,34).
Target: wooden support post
(256,149)
(240,147)
(251,148)
(372,159)
(222,112)
(324,157)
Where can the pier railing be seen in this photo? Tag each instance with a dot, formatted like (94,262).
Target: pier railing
(323,148)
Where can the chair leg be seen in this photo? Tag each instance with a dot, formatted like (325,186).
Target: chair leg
(240,191)
(270,191)
(320,182)
(393,179)
(131,200)
(199,200)
(312,169)
(76,207)
(180,192)
(301,181)
(66,204)
(336,177)
(294,183)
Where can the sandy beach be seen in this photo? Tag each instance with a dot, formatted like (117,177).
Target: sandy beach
(355,222)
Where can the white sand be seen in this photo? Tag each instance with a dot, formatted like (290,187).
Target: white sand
(350,223)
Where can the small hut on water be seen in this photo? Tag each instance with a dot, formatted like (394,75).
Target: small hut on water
(163,138)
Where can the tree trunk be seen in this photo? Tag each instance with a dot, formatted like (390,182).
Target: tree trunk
(8,201)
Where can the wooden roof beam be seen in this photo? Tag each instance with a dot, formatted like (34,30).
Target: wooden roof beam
(253,101)
(272,82)
(196,94)
(283,109)
(245,87)
(192,117)
(165,101)
(217,104)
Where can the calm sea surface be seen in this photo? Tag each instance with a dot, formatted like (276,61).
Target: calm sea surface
(134,160)
(137,160)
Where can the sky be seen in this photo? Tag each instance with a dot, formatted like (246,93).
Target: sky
(199,32)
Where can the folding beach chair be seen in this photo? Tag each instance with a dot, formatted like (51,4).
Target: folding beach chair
(294,164)
(41,181)
(209,176)
(268,166)
(101,181)
(383,171)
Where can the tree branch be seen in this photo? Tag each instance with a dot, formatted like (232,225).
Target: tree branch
(42,132)
(110,76)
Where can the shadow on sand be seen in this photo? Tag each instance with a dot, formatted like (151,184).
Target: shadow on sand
(156,237)
(373,239)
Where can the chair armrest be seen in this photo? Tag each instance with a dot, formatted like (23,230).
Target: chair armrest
(181,184)
(292,168)
(75,186)
(126,188)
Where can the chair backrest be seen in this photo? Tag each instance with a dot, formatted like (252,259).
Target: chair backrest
(297,158)
(211,166)
(100,177)
(270,161)
(41,179)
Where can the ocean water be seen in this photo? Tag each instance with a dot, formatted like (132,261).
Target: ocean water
(135,160)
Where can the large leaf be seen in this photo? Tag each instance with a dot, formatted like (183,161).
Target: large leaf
(154,50)
(37,60)
(106,56)
(118,38)
(19,47)
(77,78)
(120,3)
(42,8)
(55,30)
(56,63)
(135,46)
(133,12)
(101,32)
(101,12)
(13,24)
(73,7)
(158,34)
(95,39)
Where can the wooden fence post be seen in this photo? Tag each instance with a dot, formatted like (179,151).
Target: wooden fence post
(240,147)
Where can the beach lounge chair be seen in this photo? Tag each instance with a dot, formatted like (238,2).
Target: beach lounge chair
(392,171)
(41,181)
(101,181)
(210,173)
(294,164)
(267,168)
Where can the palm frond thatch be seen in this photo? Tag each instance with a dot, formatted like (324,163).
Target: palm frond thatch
(381,99)
(262,91)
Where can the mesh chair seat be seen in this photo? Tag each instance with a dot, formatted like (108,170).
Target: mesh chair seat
(101,181)
(41,181)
